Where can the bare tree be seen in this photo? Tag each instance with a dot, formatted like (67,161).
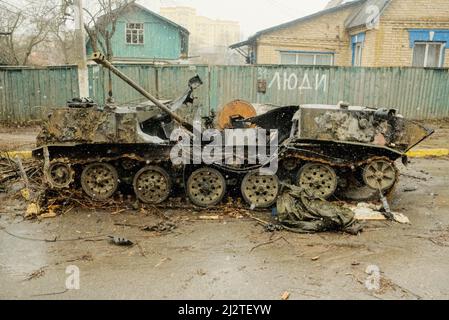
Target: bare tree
(63,37)
(102,23)
(27,27)
(102,26)
(9,25)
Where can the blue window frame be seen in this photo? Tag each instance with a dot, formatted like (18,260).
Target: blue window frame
(428,35)
(429,47)
(357,42)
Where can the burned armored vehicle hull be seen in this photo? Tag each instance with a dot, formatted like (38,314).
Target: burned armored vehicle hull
(332,152)
(99,150)
(342,151)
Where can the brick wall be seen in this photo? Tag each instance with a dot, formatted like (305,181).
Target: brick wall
(388,45)
(325,33)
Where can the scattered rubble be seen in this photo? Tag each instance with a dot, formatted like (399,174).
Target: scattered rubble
(369,211)
(27,171)
(160,227)
(36,274)
(285,296)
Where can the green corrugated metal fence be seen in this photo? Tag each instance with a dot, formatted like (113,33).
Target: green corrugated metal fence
(417,93)
(29,93)
(163,82)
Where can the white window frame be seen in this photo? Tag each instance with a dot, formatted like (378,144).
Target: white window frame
(426,55)
(315,54)
(358,55)
(139,31)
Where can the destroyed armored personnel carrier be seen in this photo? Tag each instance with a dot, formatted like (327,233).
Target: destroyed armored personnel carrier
(332,152)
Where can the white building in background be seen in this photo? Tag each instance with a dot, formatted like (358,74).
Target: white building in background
(153,5)
(209,38)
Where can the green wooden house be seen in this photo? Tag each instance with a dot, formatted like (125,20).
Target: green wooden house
(144,36)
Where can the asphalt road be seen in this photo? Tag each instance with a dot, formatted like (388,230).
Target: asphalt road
(232,258)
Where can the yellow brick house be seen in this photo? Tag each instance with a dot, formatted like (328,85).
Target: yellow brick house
(367,33)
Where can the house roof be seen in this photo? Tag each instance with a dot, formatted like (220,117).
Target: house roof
(367,13)
(359,17)
(142,8)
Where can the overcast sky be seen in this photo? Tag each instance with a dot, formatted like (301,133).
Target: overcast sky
(253,15)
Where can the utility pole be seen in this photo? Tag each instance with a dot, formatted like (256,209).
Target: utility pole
(80,43)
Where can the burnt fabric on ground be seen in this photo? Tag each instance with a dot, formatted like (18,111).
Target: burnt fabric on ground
(301,213)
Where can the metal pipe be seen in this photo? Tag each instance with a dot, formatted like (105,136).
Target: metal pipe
(99,58)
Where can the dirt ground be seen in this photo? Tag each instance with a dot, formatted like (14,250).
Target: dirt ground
(18,139)
(230,258)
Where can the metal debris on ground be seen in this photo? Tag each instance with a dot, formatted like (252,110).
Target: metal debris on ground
(122,242)
(301,213)
(273,227)
(160,227)
(386,206)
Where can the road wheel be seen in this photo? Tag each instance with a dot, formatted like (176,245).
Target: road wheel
(206,187)
(99,181)
(152,185)
(260,191)
(380,175)
(318,180)
(60,175)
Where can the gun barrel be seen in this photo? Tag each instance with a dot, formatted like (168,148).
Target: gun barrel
(100,59)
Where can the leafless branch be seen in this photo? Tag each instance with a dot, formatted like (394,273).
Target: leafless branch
(102,25)
(29,27)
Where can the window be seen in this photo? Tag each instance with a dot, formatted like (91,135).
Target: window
(134,33)
(357,44)
(358,48)
(428,54)
(307,58)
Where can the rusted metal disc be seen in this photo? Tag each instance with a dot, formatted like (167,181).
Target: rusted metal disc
(260,191)
(236,108)
(206,187)
(99,181)
(152,185)
(318,180)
